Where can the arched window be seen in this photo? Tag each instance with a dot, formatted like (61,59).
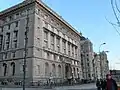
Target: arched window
(59,70)
(5,68)
(13,68)
(46,69)
(53,70)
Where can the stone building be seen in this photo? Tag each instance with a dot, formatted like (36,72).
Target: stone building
(87,56)
(96,66)
(53,45)
(104,64)
(101,65)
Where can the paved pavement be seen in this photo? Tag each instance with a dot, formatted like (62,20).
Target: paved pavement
(75,87)
(78,87)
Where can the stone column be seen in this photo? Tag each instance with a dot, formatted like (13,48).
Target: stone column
(70,49)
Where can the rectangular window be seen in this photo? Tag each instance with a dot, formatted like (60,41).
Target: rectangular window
(64,36)
(10,18)
(88,64)
(38,68)
(87,59)
(13,55)
(17,15)
(64,46)
(75,52)
(68,49)
(46,35)
(5,55)
(1,29)
(89,75)
(16,24)
(58,43)
(0,47)
(1,39)
(7,45)
(52,38)
(52,46)
(8,36)
(38,21)
(9,26)
(46,24)
(52,41)
(46,39)
(72,50)
(52,56)
(52,28)
(45,16)
(55,57)
(45,44)
(48,55)
(45,55)
(38,11)
(15,34)
(15,44)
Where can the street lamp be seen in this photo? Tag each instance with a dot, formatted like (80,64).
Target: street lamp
(100,46)
(78,76)
(25,50)
(72,78)
(107,51)
(50,80)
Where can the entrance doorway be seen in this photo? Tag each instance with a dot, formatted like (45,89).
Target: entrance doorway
(68,71)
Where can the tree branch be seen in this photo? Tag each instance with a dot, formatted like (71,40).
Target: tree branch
(117,6)
(113,26)
(114,11)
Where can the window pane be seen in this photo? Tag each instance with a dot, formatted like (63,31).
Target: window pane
(46,44)
(52,38)
(45,35)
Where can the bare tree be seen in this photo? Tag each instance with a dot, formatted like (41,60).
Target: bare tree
(116,11)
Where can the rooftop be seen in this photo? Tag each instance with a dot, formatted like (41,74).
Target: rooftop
(26,2)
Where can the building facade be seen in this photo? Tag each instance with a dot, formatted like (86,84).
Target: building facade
(100,65)
(96,66)
(53,47)
(104,64)
(87,56)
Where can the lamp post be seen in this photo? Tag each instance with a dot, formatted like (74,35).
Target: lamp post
(100,58)
(100,46)
(25,49)
(50,80)
(72,78)
(78,75)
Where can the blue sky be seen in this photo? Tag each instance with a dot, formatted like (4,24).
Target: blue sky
(87,16)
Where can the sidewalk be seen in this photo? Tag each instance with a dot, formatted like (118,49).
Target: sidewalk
(77,87)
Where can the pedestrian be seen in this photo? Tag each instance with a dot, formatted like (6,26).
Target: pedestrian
(111,84)
(103,84)
(98,84)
